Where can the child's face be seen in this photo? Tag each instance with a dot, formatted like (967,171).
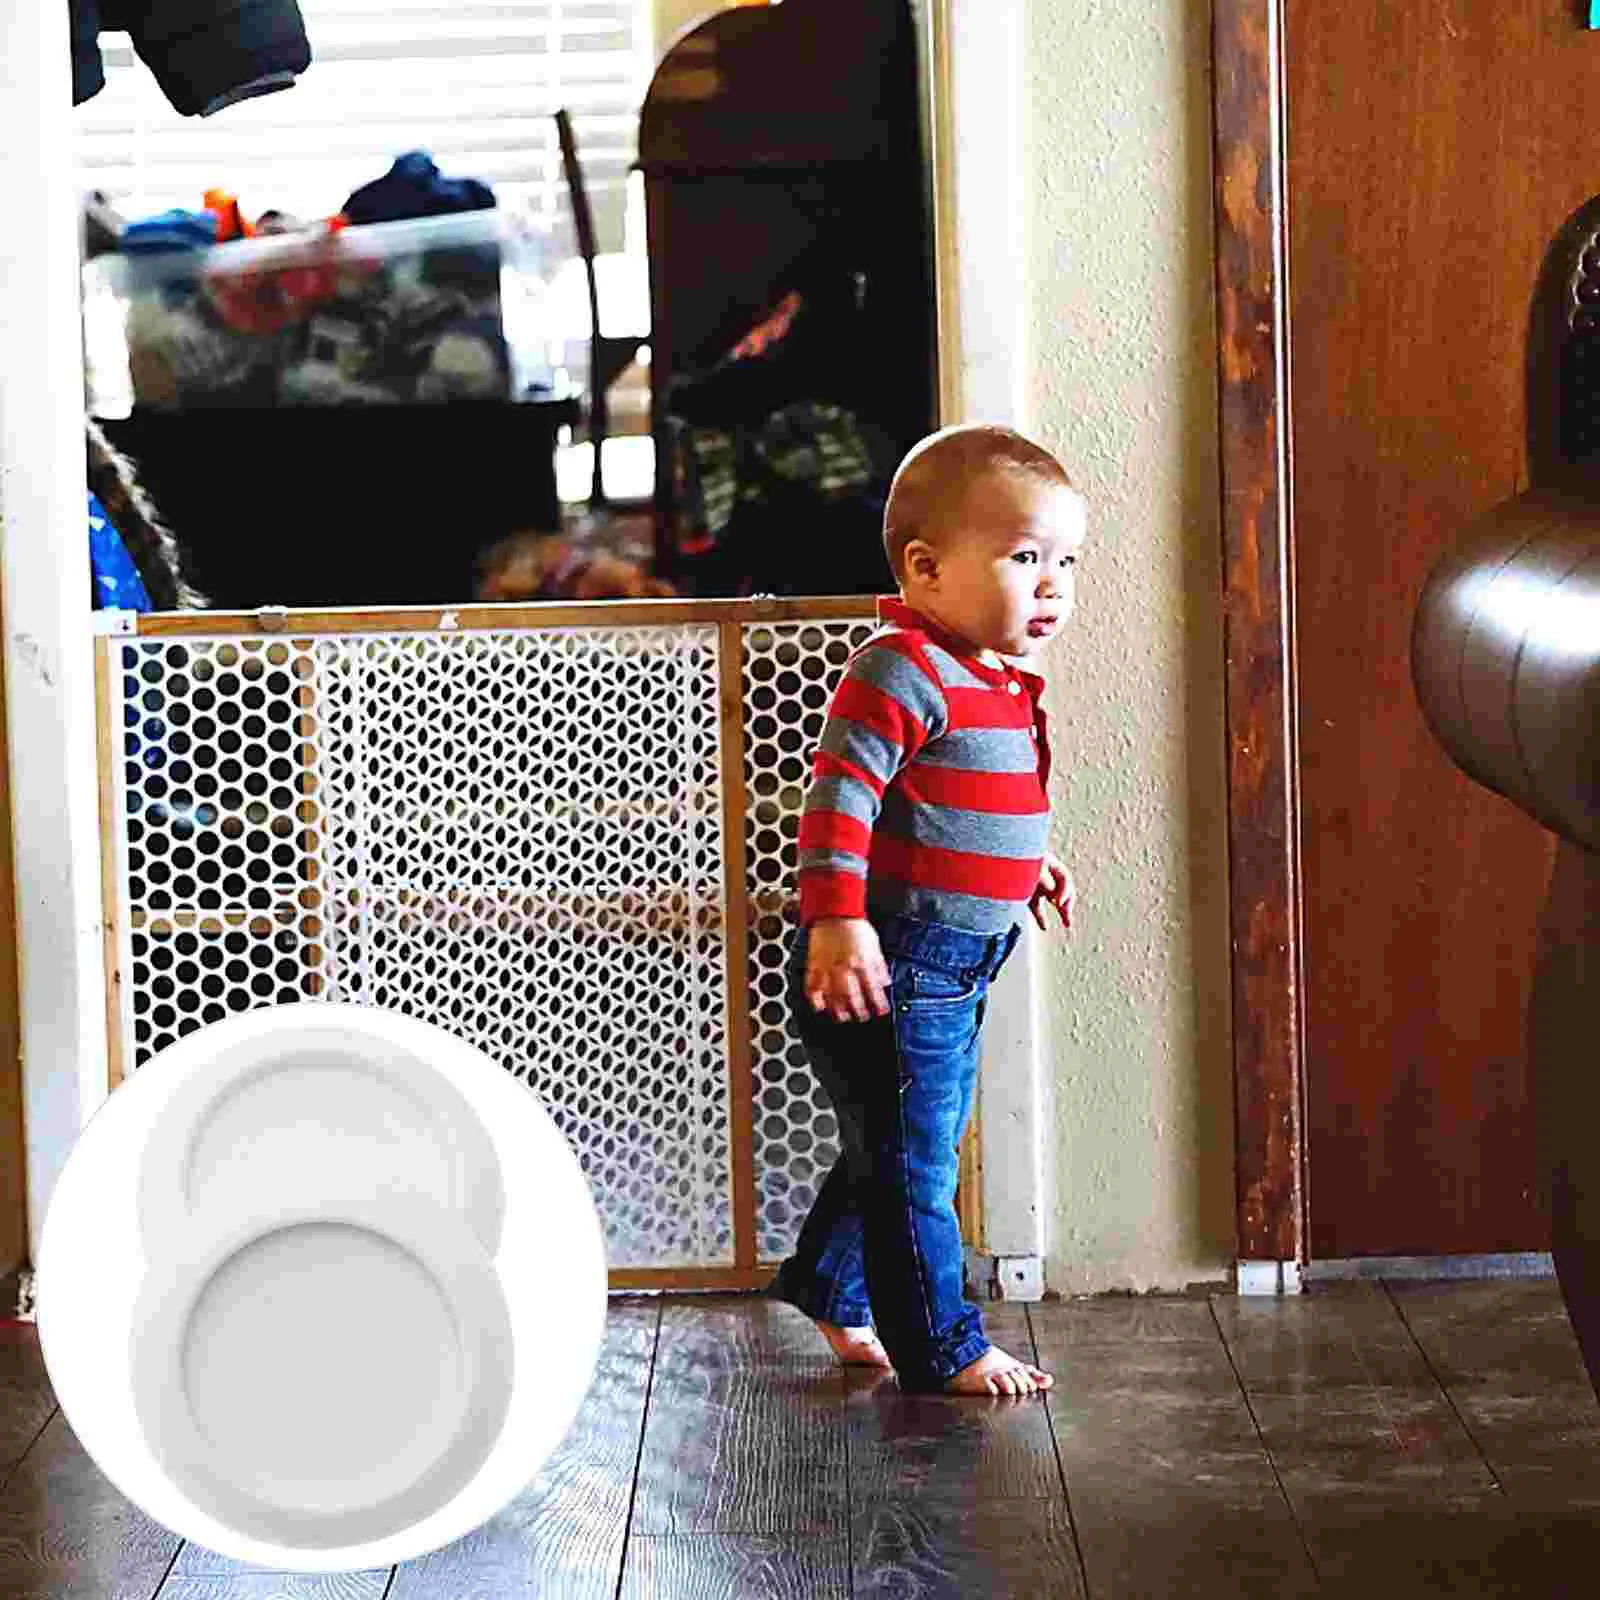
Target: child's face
(1002,578)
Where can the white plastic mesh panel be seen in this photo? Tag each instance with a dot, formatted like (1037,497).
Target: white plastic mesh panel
(218,822)
(514,835)
(790,673)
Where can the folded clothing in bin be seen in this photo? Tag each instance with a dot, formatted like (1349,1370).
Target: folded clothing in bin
(384,314)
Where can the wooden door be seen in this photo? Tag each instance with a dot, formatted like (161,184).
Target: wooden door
(1433,149)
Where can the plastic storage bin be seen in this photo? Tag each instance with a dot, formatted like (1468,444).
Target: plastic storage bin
(391,313)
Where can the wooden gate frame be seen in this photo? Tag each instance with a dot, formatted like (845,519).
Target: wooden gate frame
(1253,370)
(730,618)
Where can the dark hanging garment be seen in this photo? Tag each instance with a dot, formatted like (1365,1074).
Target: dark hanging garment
(88,75)
(205,54)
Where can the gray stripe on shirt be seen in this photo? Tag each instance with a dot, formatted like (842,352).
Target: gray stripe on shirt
(954,673)
(1015,836)
(904,682)
(895,674)
(886,897)
(1006,750)
(850,797)
(833,861)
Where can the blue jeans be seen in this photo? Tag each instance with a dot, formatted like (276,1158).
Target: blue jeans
(882,1245)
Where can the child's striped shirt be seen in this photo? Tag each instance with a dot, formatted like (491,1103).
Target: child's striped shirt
(928,792)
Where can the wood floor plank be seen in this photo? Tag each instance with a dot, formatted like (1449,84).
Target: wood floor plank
(1170,1489)
(957,1496)
(1346,1401)
(737,1566)
(1336,1341)
(1488,1549)
(746,1429)
(197,1562)
(946,1548)
(277,1586)
(751,1441)
(66,1533)
(27,1401)
(1391,1491)
(198,1565)
(562,1537)
(910,1444)
(1145,1319)
(1506,1355)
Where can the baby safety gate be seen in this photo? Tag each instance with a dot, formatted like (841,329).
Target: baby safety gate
(566,834)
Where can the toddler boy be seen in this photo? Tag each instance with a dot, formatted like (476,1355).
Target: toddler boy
(922,840)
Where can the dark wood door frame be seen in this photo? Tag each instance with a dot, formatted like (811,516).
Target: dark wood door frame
(1258,630)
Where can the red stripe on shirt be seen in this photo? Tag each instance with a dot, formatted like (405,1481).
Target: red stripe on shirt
(984,708)
(871,707)
(958,871)
(825,893)
(833,830)
(1010,793)
(827,765)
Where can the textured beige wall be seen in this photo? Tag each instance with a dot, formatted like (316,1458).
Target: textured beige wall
(1121,357)
(1121,362)
(673,15)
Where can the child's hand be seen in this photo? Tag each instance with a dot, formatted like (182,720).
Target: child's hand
(1056,888)
(846,974)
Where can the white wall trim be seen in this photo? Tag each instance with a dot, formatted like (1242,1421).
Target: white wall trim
(984,231)
(1271,1278)
(44,580)
(981,212)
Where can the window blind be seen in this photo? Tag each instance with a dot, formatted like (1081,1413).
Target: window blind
(473,82)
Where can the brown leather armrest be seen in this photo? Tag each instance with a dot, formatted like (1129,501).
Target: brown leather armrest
(1505,656)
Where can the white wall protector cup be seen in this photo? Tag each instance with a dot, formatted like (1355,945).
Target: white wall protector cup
(334,1383)
(323,1374)
(332,1102)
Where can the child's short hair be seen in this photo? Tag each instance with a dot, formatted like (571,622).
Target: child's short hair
(937,473)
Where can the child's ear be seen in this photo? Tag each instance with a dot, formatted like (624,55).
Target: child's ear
(921,561)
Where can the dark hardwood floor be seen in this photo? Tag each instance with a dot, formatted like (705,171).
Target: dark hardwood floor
(1369,1440)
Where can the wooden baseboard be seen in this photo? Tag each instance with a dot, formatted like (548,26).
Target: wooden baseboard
(670,1280)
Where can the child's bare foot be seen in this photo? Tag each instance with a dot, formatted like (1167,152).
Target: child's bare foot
(995,1372)
(856,1347)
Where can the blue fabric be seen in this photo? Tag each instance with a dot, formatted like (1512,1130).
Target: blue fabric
(170,230)
(414,187)
(117,584)
(882,1245)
